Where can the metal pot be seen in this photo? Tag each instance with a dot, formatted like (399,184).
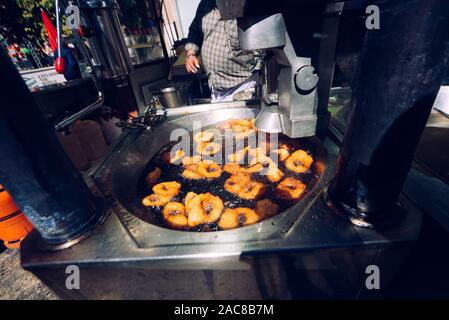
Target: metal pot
(171,97)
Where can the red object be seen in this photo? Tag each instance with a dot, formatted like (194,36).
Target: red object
(51,30)
(60,65)
(81,31)
(85,32)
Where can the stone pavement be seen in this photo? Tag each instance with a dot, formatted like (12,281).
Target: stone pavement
(17,283)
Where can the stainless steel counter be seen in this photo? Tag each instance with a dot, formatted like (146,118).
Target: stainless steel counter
(265,260)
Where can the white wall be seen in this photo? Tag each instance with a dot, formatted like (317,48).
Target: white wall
(186,12)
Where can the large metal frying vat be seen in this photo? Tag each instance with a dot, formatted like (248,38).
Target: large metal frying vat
(128,168)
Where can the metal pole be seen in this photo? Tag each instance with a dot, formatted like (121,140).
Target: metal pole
(35,169)
(400,72)
(58,27)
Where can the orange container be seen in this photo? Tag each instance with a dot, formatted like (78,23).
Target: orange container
(14,226)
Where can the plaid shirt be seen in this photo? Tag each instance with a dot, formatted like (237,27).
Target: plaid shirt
(226,65)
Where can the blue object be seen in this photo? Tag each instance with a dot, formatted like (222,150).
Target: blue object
(72,70)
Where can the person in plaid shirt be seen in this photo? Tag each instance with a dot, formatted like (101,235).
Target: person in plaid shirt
(232,72)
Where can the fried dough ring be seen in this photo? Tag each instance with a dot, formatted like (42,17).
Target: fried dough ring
(212,205)
(244,134)
(244,122)
(206,169)
(258,153)
(258,167)
(167,188)
(234,218)
(242,128)
(153,176)
(187,161)
(232,168)
(282,153)
(251,190)
(260,163)
(238,156)
(274,174)
(191,173)
(299,161)
(203,208)
(238,122)
(236,182)
(195,214)
(203,136)
(266,208)
(175,215)
(188,199)
(209,169)
(208,148)
(290,189)
(156,200)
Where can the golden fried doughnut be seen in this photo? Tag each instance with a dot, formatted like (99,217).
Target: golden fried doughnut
(274,174)
(232,168)
(263,159)
(195,213)
(236,182)
(251,190)
(258,153)
(212,206)
(233,218)
(244,122)
(238,156)
(153,176)
(208,148)
(266,208)
(175,215)
(299,161)
(156,200)
(203,136)
(191,172)
(242,128)
(282,153)
(188,199)
(209,169)
(167,188)
(202,208)
(238,128)
(244,134)
(191,160)
(192,167)
(258,167)
(238,122)
(290,189)
(260,163)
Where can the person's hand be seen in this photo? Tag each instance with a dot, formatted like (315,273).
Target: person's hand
(192,64)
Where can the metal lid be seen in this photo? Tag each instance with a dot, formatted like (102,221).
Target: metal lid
(168,89)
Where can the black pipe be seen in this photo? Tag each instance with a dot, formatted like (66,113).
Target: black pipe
(400,72)
(34,168)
